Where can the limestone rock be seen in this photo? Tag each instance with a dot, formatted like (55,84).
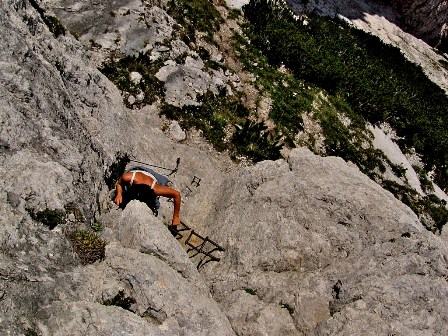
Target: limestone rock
(251,316)
(176,132)
(63,127)
(316,235)
(312,245)
(138,297)
(87,318)
(426,19)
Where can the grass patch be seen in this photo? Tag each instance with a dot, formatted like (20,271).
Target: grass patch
(88,246)
(97,226)
(195,15)
(50,218)
(373,78)
(119,73)
(254,141)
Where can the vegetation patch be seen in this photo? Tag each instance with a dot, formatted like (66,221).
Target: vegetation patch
(97,226)
(50,218)
(88,246)
(254,141)
(120,300)
(195,15)
(223,121)
(119,72)
(373,78)
(363,79)
(289,96)
(431,210)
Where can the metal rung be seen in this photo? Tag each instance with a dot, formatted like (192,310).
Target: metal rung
(201,247)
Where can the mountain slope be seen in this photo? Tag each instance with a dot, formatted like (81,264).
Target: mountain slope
(313,246)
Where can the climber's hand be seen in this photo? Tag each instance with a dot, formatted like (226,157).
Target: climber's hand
(118,199)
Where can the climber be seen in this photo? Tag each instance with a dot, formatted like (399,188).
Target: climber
(146,185)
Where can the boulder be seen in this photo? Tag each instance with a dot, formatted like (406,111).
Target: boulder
(317,236)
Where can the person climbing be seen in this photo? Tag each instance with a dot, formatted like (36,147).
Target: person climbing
(146,185)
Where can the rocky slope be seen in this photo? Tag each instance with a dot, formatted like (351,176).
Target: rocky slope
(426,19)
(315,238)
(382,19)
(312,245)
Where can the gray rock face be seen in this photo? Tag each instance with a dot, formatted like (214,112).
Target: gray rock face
(426,19)
(62,125)
(318,239)
(139,27)
(147,267)
(312,245)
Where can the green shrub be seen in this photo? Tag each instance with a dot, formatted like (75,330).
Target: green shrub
(50,218)
(215,113)
(97,226)
(194,15)
(253,141)
(375,79)
(88,246)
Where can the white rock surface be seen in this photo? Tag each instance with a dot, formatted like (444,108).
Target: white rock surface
(324,249)
(317,235)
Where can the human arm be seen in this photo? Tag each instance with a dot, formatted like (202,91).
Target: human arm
(122,181)
(119,191)
(175,195)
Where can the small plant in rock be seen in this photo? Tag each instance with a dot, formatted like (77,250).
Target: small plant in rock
(88,246)
(120,300)
(431,210)
(97,226)
(50,218)
(250,291)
